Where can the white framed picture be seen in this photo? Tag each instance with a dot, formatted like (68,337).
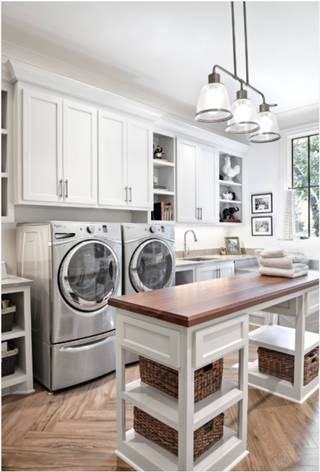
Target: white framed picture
(261,203)
(261,226)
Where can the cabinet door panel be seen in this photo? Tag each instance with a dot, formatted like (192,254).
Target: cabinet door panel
(41,146)
(206,184)
(206,273)
(187,177)
(139,164)
(227,271)
(80,153)
(112,159)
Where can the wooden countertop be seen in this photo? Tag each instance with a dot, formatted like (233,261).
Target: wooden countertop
(192,304)
(14,281)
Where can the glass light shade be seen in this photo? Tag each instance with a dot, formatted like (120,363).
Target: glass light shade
(269,130)
(213,104)
(245,118)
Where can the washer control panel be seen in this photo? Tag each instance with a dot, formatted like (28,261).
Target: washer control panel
(91,229)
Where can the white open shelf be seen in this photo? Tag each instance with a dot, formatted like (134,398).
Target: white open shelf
(229,201)
(160,164)
(282,339)
(4,131)
(229,184)
(16,332)
(165,460)
(165,407)
(19,376)
(162,192)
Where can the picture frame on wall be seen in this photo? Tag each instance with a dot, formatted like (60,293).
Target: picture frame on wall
(261,203)
(261,226)
(232,244)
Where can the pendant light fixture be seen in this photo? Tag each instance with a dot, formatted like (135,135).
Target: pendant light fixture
(214,104)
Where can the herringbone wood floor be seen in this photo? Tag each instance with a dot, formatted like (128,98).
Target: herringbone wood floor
(75,429)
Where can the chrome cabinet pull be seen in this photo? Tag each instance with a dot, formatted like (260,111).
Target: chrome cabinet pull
(130,188)
(67,188)
(197,214)
(60,185)
(201,213)
(126,199)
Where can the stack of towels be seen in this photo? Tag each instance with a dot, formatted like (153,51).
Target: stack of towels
(283,264)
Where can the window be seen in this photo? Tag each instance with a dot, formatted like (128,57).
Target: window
(305,182)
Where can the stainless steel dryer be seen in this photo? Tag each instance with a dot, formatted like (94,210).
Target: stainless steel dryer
(76,268)
(148,257)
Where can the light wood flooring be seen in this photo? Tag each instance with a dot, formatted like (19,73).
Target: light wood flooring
(75,429)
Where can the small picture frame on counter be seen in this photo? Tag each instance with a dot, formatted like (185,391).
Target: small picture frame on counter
(223,251)
(261,203)
(232,245)
(261,226)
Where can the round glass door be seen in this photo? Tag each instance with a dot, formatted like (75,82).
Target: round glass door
(152,266)
(89,275)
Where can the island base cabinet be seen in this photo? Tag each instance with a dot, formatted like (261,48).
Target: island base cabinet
(185,350)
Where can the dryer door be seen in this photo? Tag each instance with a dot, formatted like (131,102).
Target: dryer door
(152,266)
(89,275)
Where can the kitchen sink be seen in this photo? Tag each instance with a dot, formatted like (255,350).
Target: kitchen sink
(200,259)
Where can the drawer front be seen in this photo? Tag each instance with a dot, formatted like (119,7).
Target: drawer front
(312,301)
(148,339)
(218,340)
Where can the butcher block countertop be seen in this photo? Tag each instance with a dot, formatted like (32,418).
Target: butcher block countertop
(193,304)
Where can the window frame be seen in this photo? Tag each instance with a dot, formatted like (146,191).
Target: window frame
(309,176)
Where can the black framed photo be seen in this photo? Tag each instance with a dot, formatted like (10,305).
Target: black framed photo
(232,245)
(261,203)
(261,226)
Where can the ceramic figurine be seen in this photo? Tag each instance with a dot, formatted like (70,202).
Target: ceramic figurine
(228,196)
(158,153)
(228,213)
(228,171)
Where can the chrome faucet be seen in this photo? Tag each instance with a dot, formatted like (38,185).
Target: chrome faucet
(186,249)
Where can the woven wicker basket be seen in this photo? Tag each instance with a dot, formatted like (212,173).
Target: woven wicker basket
(282,365)
(207,380)
(167,437)
(7,315)
(8,360)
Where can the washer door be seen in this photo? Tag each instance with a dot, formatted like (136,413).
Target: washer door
(151,266)
(89,275)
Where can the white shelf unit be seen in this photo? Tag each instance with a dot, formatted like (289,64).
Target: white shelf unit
(227,186)
(21,381)
(165,173)
(181,414)
(7,209)
(293,341)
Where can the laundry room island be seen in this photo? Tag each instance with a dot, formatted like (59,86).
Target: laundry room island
(186,328)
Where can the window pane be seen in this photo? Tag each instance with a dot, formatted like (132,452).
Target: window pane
(300,162)
(301,212)
(314,160)
(314,212)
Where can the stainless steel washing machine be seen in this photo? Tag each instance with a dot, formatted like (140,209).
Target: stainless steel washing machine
(148,257)
(76,268)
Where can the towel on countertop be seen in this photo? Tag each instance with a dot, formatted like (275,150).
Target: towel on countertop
(290,261)
(280,253)
(276,272)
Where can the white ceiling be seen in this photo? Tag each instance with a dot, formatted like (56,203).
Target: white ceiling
(167,49)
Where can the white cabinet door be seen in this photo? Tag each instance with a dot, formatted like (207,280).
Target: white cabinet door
(113,174)
(226,270)
(186,178)
(140,165)
(206,273)
(42,147)
(80,153)
(206,184)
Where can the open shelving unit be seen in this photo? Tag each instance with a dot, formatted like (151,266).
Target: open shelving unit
(7,214)
(231,186)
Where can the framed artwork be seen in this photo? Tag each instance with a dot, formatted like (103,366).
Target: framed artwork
(223,251)
(232,245)
(261,225)
(261,203)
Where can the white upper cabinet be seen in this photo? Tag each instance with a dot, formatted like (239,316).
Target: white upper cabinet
(42,147)
(140,164)
(187,153)
(80,153)
(113,185)
(206,184)
(196,182)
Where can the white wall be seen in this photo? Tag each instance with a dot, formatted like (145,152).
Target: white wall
(208,237)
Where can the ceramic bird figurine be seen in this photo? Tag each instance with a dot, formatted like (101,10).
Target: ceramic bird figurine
(228,171)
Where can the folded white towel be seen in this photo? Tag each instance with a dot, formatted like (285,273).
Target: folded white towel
(280,253)
(290,261)
(291,273)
